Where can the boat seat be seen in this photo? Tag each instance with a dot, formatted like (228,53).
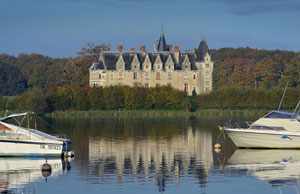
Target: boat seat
(4,128)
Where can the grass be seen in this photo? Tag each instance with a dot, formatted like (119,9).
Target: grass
(147,113)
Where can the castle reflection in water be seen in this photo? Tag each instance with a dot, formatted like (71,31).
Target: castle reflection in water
(164,159)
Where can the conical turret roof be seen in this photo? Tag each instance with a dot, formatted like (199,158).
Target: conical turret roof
(202,50)
(162,45)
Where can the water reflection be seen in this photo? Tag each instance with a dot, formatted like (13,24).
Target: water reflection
(20,175)
(165,159)
(275,167)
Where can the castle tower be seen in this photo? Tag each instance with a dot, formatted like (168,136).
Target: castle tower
(162,45)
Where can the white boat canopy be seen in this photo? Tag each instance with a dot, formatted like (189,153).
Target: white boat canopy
(13,115)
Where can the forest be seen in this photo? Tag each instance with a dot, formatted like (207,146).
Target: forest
(243,78)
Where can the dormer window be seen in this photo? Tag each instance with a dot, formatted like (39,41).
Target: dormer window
(169,67)
(135,67)
(147,66)
(186,66)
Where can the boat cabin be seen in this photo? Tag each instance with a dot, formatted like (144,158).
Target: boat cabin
(275,114)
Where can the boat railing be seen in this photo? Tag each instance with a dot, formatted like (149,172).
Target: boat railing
(62,136)
(248,125)
(238,124)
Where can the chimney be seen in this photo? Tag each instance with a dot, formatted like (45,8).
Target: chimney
(143,48)
(170,48)
(176,48)
(132,49)
(120,48)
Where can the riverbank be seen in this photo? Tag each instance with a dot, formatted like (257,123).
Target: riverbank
(154,113)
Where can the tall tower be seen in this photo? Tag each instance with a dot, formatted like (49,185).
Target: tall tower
(162,46)
(205,64)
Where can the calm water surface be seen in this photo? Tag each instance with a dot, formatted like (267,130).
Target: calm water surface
(152,155)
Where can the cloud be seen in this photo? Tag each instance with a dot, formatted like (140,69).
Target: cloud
(252,7)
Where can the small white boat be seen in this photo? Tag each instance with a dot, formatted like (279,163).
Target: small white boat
(277,129)
(20,141)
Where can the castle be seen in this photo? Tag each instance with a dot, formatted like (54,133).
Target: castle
(183,70)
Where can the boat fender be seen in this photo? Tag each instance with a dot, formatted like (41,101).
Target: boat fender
(46,167)
(217,147)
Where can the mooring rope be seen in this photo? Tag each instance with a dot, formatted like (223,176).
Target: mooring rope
(53,127)
(222,132)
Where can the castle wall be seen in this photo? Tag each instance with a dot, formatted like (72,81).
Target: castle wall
(181,80)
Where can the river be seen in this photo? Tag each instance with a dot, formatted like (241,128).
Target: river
(152,155)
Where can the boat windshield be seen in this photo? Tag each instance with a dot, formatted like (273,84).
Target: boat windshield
(281,115)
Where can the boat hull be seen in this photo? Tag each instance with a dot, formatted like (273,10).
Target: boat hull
(261,139)
(30,148)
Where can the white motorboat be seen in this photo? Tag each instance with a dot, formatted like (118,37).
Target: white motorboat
(16,140)
(274,166)
(277,129)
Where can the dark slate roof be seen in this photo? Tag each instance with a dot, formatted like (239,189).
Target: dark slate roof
(96,66)
(111,58)
(201,51)
(162,45)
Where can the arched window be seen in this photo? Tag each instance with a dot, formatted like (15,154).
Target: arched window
(186,87)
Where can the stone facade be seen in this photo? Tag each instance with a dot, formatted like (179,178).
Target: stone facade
(183,70)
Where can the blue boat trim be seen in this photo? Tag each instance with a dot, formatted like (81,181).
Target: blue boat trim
(286,137)
(30,154)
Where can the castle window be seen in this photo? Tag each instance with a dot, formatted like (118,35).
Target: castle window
(186,87)
(186,67)
(186,75)
(158,67)
(135,75)
(157,85)
(146,85)
(135,67)
(169,67)
(99,76)
(157,75)
(169,76)
(206,89)
(147,75)
(147,66)
(194,76)
(120,75)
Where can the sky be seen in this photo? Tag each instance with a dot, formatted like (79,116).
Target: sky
(60,28)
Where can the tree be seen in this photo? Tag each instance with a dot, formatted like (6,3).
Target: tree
(93,50)
(34,100)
